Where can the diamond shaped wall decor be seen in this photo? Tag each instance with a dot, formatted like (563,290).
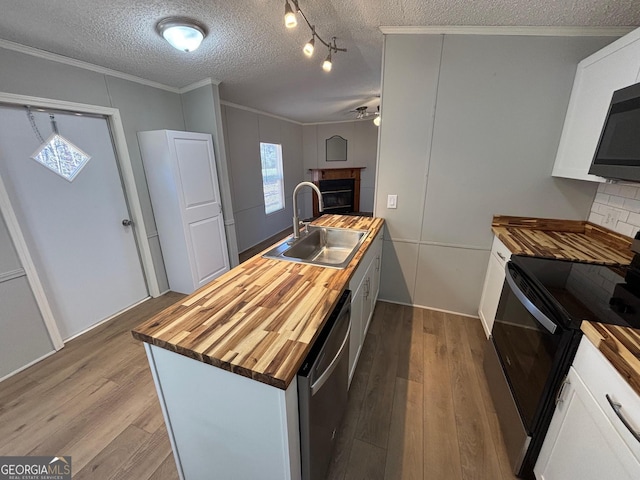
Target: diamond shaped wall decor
(61,156)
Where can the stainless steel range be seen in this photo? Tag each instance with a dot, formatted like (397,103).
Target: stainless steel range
(535,337)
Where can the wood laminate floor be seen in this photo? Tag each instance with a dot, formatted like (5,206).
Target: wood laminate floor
(418,405)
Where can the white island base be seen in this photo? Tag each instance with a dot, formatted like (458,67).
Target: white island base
(223,425)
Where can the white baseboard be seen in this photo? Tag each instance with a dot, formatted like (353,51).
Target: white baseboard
(24,367)
(429,308)
(106,320)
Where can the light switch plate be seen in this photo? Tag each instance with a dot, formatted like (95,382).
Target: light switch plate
(392,201)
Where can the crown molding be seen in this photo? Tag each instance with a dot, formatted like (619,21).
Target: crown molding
(260,112)
(541,31)
(202,83)
(329,122)
(54,57)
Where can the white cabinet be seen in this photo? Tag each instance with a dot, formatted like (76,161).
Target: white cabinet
(183,185)
(364,286)
(597,77)
(225,426)
(586,439)
(493,281)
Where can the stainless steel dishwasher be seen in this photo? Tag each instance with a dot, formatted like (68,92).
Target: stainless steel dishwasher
(323,384)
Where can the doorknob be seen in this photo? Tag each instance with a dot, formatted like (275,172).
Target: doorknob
(126,222)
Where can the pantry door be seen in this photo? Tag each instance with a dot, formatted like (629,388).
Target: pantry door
(87,259)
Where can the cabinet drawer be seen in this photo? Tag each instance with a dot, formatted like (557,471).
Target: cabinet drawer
(500,251)
(602,379)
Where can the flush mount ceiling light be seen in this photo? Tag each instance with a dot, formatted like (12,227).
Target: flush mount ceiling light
(290,21)
(182,33)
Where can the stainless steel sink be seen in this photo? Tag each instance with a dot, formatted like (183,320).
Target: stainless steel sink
(323,246)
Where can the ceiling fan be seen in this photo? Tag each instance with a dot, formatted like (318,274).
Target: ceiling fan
(363,112)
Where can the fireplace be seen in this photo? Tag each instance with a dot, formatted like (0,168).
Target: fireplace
(340,189)
(337,195)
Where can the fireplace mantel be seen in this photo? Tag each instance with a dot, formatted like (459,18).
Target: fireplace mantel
(337,174)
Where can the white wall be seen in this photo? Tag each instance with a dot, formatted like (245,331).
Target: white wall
(624,200)
(24,337)
(470,128)
(244,130)
(362,147)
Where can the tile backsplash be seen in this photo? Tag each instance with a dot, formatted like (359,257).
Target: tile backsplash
(617,207)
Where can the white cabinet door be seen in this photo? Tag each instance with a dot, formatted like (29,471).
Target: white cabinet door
(581,442)
(597,77)
(183,184)
(364,286)
(373,276)
(493,282)
(355,339)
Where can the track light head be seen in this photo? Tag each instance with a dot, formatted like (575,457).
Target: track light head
(309,46)
(290,20)
(326,66)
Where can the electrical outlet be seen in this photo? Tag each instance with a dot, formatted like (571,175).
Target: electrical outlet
(611,217)
(392,201)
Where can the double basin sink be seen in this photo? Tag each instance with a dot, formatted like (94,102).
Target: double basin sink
(323,246)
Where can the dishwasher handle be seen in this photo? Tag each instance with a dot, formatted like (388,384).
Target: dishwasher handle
(317,385)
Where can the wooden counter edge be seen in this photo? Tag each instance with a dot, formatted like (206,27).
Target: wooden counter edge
(617,344)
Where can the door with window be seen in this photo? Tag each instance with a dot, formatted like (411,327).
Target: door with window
(68,197)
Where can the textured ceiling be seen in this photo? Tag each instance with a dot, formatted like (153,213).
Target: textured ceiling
(259,62)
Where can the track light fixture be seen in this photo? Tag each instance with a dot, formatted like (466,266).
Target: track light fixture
(291,21)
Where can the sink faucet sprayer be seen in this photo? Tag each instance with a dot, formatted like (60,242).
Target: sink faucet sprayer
(296,221)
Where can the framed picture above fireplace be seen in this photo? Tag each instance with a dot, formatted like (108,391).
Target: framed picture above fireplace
(336,149)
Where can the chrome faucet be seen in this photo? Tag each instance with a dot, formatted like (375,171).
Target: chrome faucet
(296,220)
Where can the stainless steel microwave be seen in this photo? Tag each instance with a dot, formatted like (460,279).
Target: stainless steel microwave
(618,153)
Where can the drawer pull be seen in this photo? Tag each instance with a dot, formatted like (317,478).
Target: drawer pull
(501,256)
(617,408)
(559,398)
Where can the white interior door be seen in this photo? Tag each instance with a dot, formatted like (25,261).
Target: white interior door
(86,257)
(201,209)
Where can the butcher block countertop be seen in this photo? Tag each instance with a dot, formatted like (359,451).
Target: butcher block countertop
(562,239)
(620,345)
(585,242)
(261,318)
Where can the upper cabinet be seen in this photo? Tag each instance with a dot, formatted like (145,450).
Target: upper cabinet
(597,77)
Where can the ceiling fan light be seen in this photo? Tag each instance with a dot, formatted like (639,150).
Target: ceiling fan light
(309,46)
(376,121)
(290,19)
(182,34)
(326,66)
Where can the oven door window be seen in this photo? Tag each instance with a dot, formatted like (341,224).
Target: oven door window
(527,350)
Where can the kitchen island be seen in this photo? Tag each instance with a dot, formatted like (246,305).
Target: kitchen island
(225,358)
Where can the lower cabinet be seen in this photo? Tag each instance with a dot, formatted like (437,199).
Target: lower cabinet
(494,279)
(586,440)
(364,285)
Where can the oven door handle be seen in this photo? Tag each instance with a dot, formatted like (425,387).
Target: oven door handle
(545,321)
